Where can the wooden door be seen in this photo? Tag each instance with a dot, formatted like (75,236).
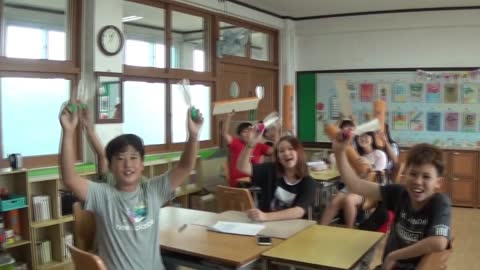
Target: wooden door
(269,101)
(463,168)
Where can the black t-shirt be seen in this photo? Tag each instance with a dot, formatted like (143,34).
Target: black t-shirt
(410,225)
(278,195)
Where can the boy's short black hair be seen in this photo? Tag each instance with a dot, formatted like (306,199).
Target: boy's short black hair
(425,153)
(243,126)
(120,144)
(346,123)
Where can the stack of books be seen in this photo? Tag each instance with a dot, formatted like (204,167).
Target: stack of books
(44,251)
(41,208)
(68,239)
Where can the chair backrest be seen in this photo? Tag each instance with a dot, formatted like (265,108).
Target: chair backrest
(436,261)
(83,228)
(86,260)
(239,199)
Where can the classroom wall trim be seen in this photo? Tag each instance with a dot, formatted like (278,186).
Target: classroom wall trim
(352,13)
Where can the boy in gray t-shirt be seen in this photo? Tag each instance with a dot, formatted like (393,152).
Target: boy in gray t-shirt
(127,215)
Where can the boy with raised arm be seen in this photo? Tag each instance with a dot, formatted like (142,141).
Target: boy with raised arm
(127,214)
(422,216)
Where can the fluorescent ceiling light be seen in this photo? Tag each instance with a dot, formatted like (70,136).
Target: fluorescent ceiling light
(131,18)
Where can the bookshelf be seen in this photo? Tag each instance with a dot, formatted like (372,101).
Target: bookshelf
(16,182)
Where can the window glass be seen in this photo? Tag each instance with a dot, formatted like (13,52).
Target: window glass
(36,29)
(144,28)
(259,48)
(188,42)
(233,40)
(200,96)
(30,123)
(144,111)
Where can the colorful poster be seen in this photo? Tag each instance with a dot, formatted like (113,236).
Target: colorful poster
(434,121)
(470,93)
(417,121)
(451,121)
(451,93)
(469,122)
(400,121)
(352,89)
(399,92)
(367,92)
(433,92)
(383,91)
(416,92)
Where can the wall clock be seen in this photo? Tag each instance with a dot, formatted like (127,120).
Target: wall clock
(110,40)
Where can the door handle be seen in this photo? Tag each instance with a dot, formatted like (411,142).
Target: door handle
(455,179)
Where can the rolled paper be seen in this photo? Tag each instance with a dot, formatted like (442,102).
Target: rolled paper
(372,125)
(343,97)
(353,157)
(287,107)
(380,112)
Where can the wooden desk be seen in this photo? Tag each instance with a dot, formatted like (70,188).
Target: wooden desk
(282,229)
(325,175)
(232,251)
(324,247)
(194,245)
(326,186)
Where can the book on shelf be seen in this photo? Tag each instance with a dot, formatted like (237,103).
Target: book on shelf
(68,240)
(44,251)
(41,208)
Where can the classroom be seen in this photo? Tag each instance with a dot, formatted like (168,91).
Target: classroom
(203,83)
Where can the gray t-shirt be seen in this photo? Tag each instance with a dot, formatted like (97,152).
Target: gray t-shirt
(127,223)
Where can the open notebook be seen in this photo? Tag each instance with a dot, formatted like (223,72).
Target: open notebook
(236,228)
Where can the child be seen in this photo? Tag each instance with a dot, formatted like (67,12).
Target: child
(422,216)
(286,187)
(350,202)
(236,144)
(94,141)
(127,215)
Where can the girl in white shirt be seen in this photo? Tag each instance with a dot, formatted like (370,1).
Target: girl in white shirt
(350,202)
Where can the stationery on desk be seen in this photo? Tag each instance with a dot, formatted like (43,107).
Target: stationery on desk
(236,228)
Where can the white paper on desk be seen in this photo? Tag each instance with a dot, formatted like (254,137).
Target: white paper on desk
(236,228)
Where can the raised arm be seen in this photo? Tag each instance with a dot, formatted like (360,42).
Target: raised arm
(290,213)
(355,184)
(94,141)
(77,184)
(226,128)
(243,163)
(187,161)
(392,155)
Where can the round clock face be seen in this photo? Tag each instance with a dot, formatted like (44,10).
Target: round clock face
(110,40)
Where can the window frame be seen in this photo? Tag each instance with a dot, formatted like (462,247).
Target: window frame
(272,63)
(72,36)
(43,160)
(43,68)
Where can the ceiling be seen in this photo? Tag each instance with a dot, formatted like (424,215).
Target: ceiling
(306,8)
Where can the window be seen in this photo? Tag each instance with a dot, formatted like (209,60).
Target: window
(233,40)
(188,41)
(144,111)
(26,111)
(260,46)
(144,28)
(201,97)
(36,30)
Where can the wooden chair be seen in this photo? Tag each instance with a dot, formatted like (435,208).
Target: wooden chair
(239,199)
(86,260)
(83,228)
(436,261)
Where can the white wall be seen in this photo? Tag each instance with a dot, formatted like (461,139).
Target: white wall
(426,39)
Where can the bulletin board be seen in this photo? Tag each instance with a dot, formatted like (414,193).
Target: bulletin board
(439,106)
